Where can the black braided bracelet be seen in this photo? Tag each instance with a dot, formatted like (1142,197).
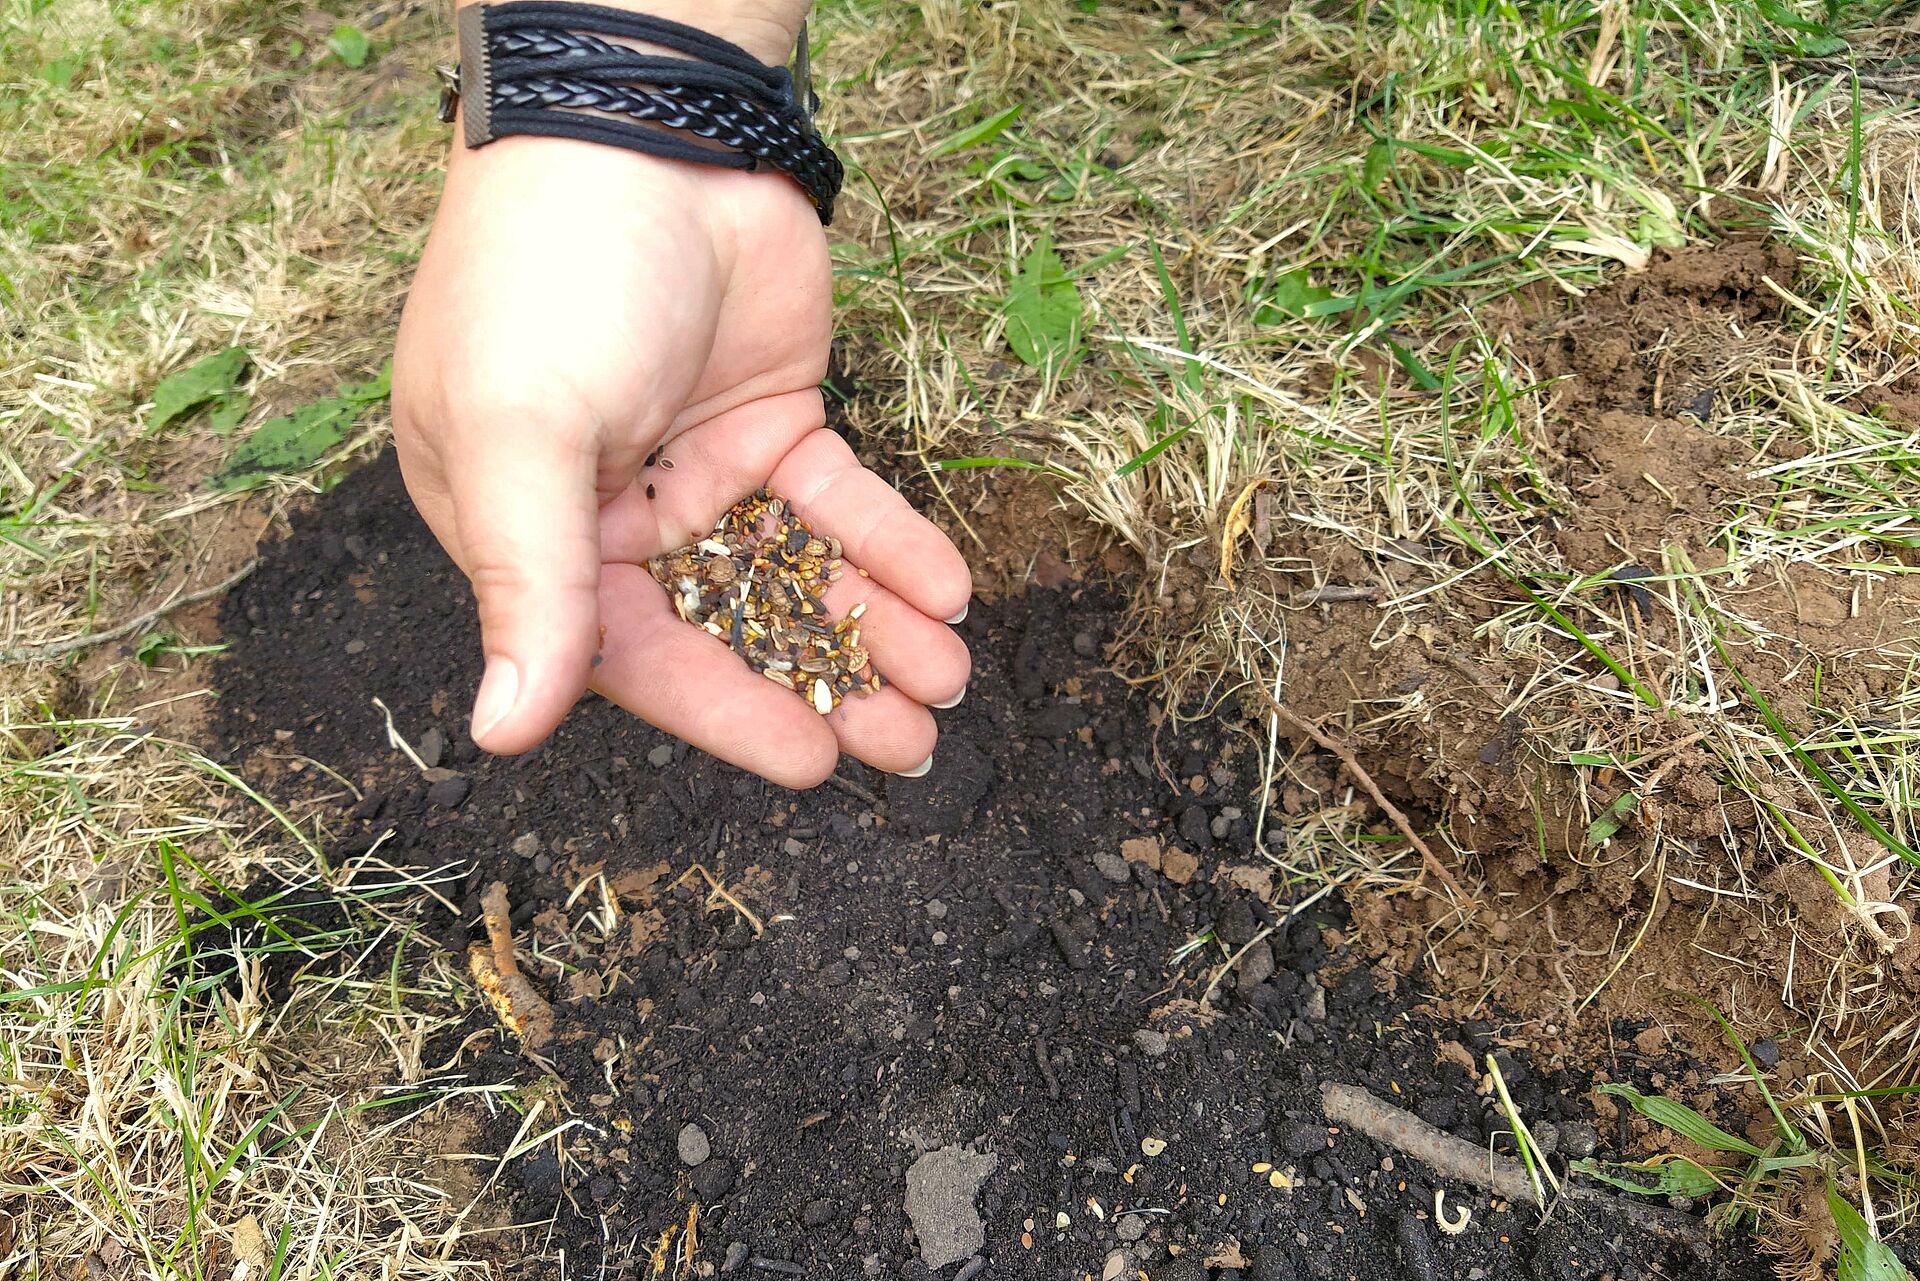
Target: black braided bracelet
(554,69)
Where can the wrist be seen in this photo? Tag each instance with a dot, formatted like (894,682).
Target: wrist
(767,29)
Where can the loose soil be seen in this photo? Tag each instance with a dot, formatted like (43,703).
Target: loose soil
(789,1009)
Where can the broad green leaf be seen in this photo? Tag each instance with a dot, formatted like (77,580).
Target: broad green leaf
(1292,296)
(1613,820)
(291,443)
(228,412)
(1681,1119)
(195,385)
(1863,1257)
(975,134)
(350,44)
(151,647)
(59,72)
(379,387)
(1043,311)
(1669,1176)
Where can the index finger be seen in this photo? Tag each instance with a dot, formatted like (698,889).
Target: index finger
(878,530)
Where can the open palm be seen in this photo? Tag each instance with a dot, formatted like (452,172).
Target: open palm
(603,352)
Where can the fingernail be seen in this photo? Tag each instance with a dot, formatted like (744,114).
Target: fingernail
(960,617)
(917,770)
(498,690)
(952,702)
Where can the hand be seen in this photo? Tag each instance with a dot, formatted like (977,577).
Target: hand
(579,308)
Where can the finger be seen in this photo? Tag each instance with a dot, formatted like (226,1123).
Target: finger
(828,488)
(688,683)
(887,730)
(922,657)
(528,538)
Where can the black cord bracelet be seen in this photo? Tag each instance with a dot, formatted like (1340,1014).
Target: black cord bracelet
(554,69)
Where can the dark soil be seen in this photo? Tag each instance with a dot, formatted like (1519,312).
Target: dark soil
(966,963)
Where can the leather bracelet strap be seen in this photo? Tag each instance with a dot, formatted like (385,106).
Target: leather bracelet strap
(553,69)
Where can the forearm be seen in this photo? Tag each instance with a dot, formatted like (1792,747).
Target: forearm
(767,29)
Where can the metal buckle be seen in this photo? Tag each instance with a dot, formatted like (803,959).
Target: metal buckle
(449,92)
(802,71)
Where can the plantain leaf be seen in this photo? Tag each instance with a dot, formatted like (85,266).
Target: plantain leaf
(350,44)
(290,443)
(1667,1176)
(1043,311)
(1681,1119)
(1863,1256)
(203,380)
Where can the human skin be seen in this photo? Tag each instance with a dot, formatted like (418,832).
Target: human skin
(580,307)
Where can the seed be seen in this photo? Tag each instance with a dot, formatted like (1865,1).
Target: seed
(856,658)
(666,464)
(822,698)
(650,493)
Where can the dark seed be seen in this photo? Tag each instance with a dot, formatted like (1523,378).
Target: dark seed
(650,491)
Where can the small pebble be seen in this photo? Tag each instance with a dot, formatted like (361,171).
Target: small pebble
(1130,1227)
(1578,1139)
(1150,1043)
(526,845)
(1111,864)
(661,756)
(693,1144)
(356,646)
(936,909)
(736,1255)
(712,1179)
(432,747)
(448,793)
(818,1213)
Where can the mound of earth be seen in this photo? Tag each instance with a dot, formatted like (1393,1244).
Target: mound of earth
(981,1023)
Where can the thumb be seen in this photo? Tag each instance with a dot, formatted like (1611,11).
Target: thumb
(528,524)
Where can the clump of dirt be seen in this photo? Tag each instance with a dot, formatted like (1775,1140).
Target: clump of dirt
(1042,1013)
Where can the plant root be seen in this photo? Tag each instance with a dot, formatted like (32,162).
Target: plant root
(519,1006)
(1456,1159)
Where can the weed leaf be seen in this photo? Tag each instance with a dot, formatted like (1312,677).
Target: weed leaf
(1681,1119)
(377,388)
(1863,1257)
(1668,1176)
(973,135)
(290,443)
(228,412)
(1294,296)
(1610,822)
(350,44)
(195,385)
(1043,311)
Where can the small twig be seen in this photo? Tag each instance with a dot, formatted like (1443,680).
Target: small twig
(1335,593)
(59,649)
(854,789)
(1451,1158)
(1360,776)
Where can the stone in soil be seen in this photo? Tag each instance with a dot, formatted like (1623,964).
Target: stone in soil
(693,1145)
(940,1190)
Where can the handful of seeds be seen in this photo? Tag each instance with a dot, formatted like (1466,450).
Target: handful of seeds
(757,583)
